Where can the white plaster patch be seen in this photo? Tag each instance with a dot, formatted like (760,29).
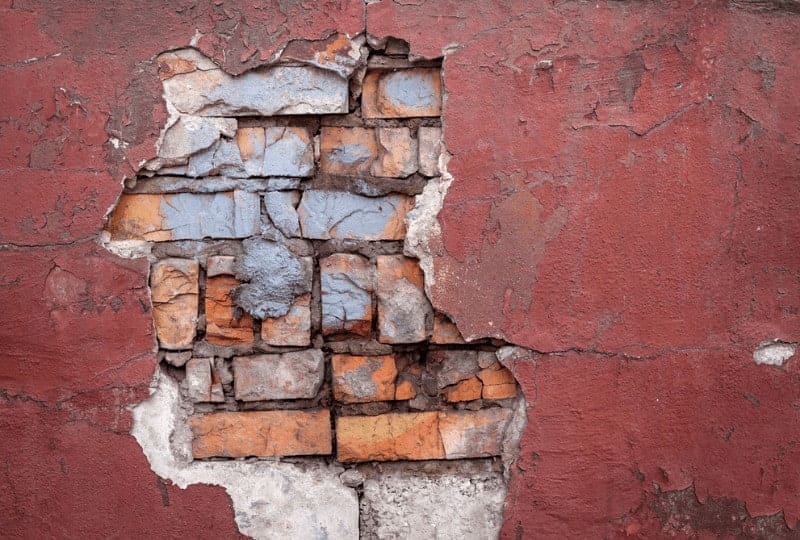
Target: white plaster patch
(774,353)
(271,500)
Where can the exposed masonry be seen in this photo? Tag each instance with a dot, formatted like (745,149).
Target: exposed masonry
(298,347)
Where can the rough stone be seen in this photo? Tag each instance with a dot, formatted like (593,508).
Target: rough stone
(185,216)
(445,332)
(293,375)
(404,313)
(191,134)
(174,290)
(281,208)
(447,506)
(261,434)
(430,148)
(226,324)
(292,329)
(466,390)
(278,90)
(388,437)
(398,153)
(346,287)
(403,93)
(326,215)
(220,265)
(276,278)
(452,367)
(473,434)
(288,152)
(345,150)
(361,379)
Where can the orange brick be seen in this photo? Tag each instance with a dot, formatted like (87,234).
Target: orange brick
(174,289)
(346,150)
(222,325)
(360,379)
(466,390)
(291,330)
(389,437)
(500,391)
(445,332)
(496,374)
(473,434)
(402,93)
(405,390)
(261,434)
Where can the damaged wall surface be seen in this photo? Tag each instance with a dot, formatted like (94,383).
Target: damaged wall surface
(622,204)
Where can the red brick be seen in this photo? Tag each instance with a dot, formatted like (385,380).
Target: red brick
(360,379)
(225,324)
(174,289)
(389,437)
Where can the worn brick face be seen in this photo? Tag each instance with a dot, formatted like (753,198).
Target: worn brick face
(346,284)
(345,150)
(405,314)
(398,153)
(389,437)
(174,289)
(401,94)
(360,379)
(261,434)
(326,215)
(292,375)
(292,329)
(473,434)
(226,324)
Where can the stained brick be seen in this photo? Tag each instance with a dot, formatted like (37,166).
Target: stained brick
(401,94)
(346,287)
(251,142)
(389,437)
(398,153)
(445,332)
(430,147)
(226,324)
(466,390)
(261,434)
(453,366)
(292,329)
(360,379)
(200,384)
(473,434)
(220,265)
(338,214)
(174,289)
(347,151)
(282,212)
(404,312)
(185,216)
(405,390)
(500,391)
(292,375)
(288,152)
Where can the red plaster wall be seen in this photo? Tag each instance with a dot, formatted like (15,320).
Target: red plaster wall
(633,205)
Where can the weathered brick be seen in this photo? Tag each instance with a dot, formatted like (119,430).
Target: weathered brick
(466,390)
(445,332)
(500,391)
(496,374)
(337,214)
(222,158)
(288,152)
(389,437)
(200,384)
(226,324)
(251,142)
(185,216)
(346,287)
(430,147)
(398,153)
(282,212)
(279,90)
(192,134)
(404,313)
(220,265)
(292,329)
(361,379)
(473,434)
(405,390)
(177,358)
(174,290)
(402,93)
(292,375)
(453,366)
(261,434)
(349,151)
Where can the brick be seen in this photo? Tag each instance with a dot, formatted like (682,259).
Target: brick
(282,212)
(405,390)
(389,437)
(466,390)
(430,147)
(473,434)
(453,366)
(174,289)
(496,374)
(261,434)
(398,153)
(500,391)
(361,379)
(445,332)
(404,313)
(222,158)
(226,324)
(346,288)
(220,265)
(200,384)
(251,142)
(185,216)
(347,151)
(177,358)
(288,151)
(292,329)
(280,90)
(405,93)
(326,215)
(192,134)
(293,375)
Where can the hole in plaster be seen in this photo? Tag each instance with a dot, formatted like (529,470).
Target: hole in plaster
(303,366)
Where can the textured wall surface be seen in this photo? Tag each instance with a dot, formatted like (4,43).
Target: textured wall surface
(624,203)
